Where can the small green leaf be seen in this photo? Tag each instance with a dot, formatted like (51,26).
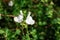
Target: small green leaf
(1,31)
(17,31)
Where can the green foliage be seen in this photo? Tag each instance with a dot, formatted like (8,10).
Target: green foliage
(44,12)
(17,31)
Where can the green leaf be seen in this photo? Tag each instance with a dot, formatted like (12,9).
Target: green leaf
(1,31)
(18,31)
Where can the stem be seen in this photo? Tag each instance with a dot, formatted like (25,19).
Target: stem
(7,15)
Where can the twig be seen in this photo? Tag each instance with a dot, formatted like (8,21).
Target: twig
(7,15)
(14,16)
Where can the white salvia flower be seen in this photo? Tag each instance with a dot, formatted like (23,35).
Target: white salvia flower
(19,18)
(10,3)
(29,19)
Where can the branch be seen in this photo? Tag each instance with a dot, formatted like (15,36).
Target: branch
(14,16)
(7,15)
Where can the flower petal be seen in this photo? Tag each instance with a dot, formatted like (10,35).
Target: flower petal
(30,21)
(16,19)
(10,3)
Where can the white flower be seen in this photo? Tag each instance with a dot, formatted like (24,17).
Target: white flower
(10,3)
(29,20)
(19,18)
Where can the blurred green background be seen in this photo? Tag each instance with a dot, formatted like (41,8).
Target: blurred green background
(46,14)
